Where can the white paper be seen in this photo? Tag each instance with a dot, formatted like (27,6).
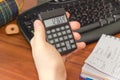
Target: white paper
(106,56)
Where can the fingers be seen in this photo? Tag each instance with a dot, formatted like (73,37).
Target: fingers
(74,25)
(76,35)
(39,32)
(67,14)
(81,45)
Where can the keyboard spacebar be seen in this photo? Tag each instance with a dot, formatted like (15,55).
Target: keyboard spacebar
(94,35)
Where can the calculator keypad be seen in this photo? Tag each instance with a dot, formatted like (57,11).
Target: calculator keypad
(61,38)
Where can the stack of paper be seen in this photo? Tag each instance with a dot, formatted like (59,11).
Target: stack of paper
(104,61)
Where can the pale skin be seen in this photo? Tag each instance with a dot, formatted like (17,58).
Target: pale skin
(48,61)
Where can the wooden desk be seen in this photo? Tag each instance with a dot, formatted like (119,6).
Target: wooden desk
(16,62)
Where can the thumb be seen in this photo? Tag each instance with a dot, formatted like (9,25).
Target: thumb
(39,32)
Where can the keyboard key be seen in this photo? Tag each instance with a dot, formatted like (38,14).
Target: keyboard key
(103,22)
(116,17)
(110,20)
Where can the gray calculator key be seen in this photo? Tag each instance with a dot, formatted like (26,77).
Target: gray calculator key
(56,40)
(60,50)
(58,45)
(64,33)
(73,46)
(51,41)
(53,30)
(70,36)
(64,48)
(62,44)
(49,36)
(65,37)
(59,34)
(67,27)
(71,41)
(61,38)
(62,28)
(57,29)
(68,31)
(48,32)
(68,45)
(54,35)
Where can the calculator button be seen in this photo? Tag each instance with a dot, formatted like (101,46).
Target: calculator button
(64,33)
(61,38)
(68,31)
(72,41)
(51,41)
(67,27)
(53,30)
(60,50)
(29,27)
(65,37)
(57,29)
(64,48)
(58,45)
(73,46)
(49,36)
(62,44)
(70,36)
(59,34)
(48,32)
(68,45)
(56,40)
(62,28)
(54,35)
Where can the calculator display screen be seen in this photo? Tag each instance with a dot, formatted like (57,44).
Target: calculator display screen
(55,21)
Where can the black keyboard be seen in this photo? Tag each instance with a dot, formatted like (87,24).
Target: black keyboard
(96,17)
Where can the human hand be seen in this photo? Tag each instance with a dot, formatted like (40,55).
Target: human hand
(47,59)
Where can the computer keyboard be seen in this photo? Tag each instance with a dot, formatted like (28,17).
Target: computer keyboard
(95,16)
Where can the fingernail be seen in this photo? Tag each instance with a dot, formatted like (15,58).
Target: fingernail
(37,24)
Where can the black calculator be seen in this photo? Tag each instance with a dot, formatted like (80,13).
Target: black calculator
(58,30)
